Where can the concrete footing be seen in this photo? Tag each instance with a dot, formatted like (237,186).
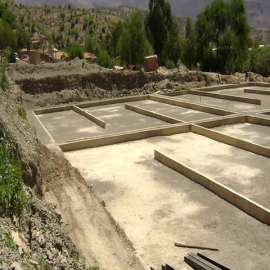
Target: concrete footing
(250,207)
(226,97)
(190,105)
(257,91)
(89,116)
(238,143)
(124,137)
(159,116)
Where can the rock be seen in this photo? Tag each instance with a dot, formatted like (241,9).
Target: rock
(41,240)
(33,262)
(58,244)
(3,266)
(35,234)
(20,251)
(18,241)
(58,214)
(49,255)
(15,266)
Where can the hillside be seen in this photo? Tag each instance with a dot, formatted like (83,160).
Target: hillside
(258,11)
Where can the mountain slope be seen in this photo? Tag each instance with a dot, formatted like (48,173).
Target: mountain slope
(258,11)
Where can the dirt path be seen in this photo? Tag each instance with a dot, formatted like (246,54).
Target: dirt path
(89,226)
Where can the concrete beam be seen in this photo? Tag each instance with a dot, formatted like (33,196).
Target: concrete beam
(89,116)
(257,91)
(217,136)
(112,101)
(53,109)
(226,97)
(189,105)
(229,120)
(250,207)
(258,120)
(231,86)
(174,93)
(90,104)
(124,137)
(161,117)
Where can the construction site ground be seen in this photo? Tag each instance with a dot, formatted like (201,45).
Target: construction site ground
(157,206)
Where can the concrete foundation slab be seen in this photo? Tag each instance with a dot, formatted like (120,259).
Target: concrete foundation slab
(68,125)
(118,119)
(265,100)
(250,132)
(157,206)
(182,114)
(221,103)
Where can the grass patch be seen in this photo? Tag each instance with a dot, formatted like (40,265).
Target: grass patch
(12,197)
(22,113)
(9,241)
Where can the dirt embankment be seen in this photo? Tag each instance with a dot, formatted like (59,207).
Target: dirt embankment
(52,178)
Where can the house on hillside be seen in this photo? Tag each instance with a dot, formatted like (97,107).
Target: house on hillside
(30,56)
(90,57)
(59,56)
(151,63)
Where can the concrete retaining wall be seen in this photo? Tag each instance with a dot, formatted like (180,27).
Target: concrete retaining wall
(164,118)
(226,97)
(250,207)
(189,105)
(124,137)
(217,136)
(89,116)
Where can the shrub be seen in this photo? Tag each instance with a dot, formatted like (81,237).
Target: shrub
(22,113)
(170,64)
(75,50)
(3,77)
(12,197)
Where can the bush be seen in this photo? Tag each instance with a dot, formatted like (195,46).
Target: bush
(260,61)
(12,197)
(75,50)
(170,64)
(3,77)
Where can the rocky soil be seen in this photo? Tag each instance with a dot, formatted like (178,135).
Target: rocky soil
(49,234)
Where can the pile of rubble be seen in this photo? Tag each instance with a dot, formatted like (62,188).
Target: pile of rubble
(37,241)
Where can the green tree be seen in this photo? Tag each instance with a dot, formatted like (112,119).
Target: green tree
(222,35)
(2,8)
(112,37)
(23,38)
(7,36)
(133,45)
(190,46)
(10,18)
(158,22)
(173,48)
(260,61)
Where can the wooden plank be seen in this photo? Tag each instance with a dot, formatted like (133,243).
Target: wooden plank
(213,262)
(196,247)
